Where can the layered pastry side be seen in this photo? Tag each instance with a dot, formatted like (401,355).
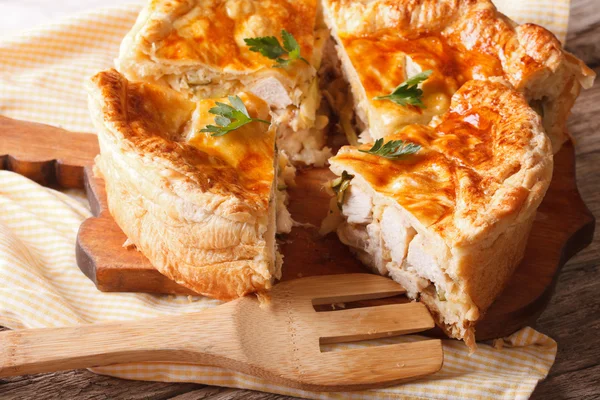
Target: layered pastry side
(203,209)
(382,43)
(450,222)
(199,48)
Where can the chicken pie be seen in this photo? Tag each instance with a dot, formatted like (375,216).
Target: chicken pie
(201,206)
(448,212)
(384,43)
(202,49)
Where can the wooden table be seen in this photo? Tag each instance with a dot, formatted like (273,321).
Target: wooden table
(572,318)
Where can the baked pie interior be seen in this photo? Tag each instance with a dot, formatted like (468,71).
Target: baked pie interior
(450,222)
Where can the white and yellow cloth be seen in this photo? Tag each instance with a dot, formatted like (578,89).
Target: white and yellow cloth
(41,75)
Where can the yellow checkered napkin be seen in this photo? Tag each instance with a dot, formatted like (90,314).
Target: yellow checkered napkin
(41,75)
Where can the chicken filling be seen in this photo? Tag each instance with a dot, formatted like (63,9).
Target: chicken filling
(383,237)
(285,176)
(294,102)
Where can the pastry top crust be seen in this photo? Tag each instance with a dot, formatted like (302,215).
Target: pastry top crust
(230,176)
(483,165)
(172,36)
(458,40)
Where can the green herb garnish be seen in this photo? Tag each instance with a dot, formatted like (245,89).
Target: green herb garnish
(408,92)
(230,117)
(393,150)
(339,187)
(270,47)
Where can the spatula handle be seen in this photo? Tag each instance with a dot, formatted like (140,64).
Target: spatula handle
(198,339)
(44,153)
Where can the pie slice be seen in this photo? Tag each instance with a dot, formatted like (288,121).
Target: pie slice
(201,208)
(383,43)
(450,222)
(198,48)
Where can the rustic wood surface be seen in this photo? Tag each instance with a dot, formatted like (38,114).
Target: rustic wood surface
(572,318)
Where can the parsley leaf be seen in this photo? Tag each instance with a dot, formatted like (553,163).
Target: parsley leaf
(270,47)
(339,187)
(392,150)
(408,92)
(230,117)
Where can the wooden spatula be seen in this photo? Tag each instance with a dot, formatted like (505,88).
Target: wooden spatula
(279,342)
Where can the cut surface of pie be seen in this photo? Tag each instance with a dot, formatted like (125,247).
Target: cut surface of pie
(382,43)
(201,208)
(450,223)
(198,48)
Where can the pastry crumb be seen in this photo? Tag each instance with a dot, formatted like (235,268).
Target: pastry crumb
(264,299)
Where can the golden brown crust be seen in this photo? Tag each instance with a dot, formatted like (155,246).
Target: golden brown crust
(224,280)
(170,36)
(484,162)
(458,40)
(486,273)
(151,121)
(198,48)
(471,192)
(198,207)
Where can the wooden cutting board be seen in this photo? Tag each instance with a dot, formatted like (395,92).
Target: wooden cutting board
(52,156)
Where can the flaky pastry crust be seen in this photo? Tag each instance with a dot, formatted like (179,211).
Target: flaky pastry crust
(383,42)
(180,36)
(197,207)
(471,192)
(198,48)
